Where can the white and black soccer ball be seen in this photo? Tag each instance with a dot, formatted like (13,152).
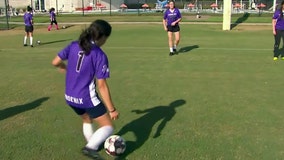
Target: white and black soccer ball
(115,145)
(38,42)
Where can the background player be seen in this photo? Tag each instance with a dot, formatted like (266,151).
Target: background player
(52,17)
(171,20)
(29,28)
(278,31)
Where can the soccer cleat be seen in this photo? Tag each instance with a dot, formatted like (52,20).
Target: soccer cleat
(91,153)
(275,58)
(175,50)
(32,46)
(25,45)
(171,53)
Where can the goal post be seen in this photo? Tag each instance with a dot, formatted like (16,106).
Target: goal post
(227,11)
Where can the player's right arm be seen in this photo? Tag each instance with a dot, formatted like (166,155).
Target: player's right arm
(273,26)
(165,25)
(57,62)
(105,94)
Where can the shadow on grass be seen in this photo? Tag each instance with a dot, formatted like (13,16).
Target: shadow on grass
(187,48)
(45,43)
(142,126)
(12,111)
(240,20)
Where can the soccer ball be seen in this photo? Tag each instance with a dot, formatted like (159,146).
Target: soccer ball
(63,27)
(115,145)
(38,42)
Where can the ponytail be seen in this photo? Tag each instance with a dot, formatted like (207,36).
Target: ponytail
(96,30)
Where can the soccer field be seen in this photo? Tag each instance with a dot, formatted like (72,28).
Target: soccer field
(219,98)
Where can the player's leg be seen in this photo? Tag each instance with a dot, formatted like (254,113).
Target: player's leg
(277,39)
(170,41)
(25,39)
(50,26)
(102,118)
(26,36)
(88,129)
(31,30)
(56,25)
(177,40)
(282,49)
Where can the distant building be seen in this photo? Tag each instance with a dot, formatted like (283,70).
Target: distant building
(63,5)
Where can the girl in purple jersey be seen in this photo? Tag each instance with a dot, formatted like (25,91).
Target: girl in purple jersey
(171,20)
(278,31)
(29,28)
(52,17)
(86,70)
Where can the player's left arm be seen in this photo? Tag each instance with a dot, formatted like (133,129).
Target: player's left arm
(58,62)
(32,20)
(106,96)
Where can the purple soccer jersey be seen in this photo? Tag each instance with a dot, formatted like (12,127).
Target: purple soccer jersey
(171,16)
(28,17)
(52,15)
(82,70)
(280,21)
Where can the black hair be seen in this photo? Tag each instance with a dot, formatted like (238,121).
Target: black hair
(96,30)
(173,3)
(280,8)
(29,9)
(51,9)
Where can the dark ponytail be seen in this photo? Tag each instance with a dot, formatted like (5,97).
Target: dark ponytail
(51,9)
(280,9)
(96,30)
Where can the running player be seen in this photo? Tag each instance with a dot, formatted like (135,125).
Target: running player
(278,31)
(52,17)
(171,20)
(88,69)
(29,28)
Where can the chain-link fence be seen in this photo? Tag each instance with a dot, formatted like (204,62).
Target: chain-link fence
(5,13)
(152,6)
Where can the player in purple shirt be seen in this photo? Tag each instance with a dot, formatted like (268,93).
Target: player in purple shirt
(86,70)
(278,31)
(172,17)
(29,28)
(52,17)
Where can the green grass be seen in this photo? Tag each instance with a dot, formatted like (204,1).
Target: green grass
(231,88)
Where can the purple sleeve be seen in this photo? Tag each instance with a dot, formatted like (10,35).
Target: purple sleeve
(53,15)
(63,54)
(166,14)
(276,14)
(102,67)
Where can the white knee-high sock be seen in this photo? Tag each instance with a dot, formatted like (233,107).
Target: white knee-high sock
(99,137)
(88,131)
(25,40)
(31,40)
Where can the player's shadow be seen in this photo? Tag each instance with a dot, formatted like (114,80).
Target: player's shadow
(240,20)
(187,48)
(50,42)
(12,111)
(142,126)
